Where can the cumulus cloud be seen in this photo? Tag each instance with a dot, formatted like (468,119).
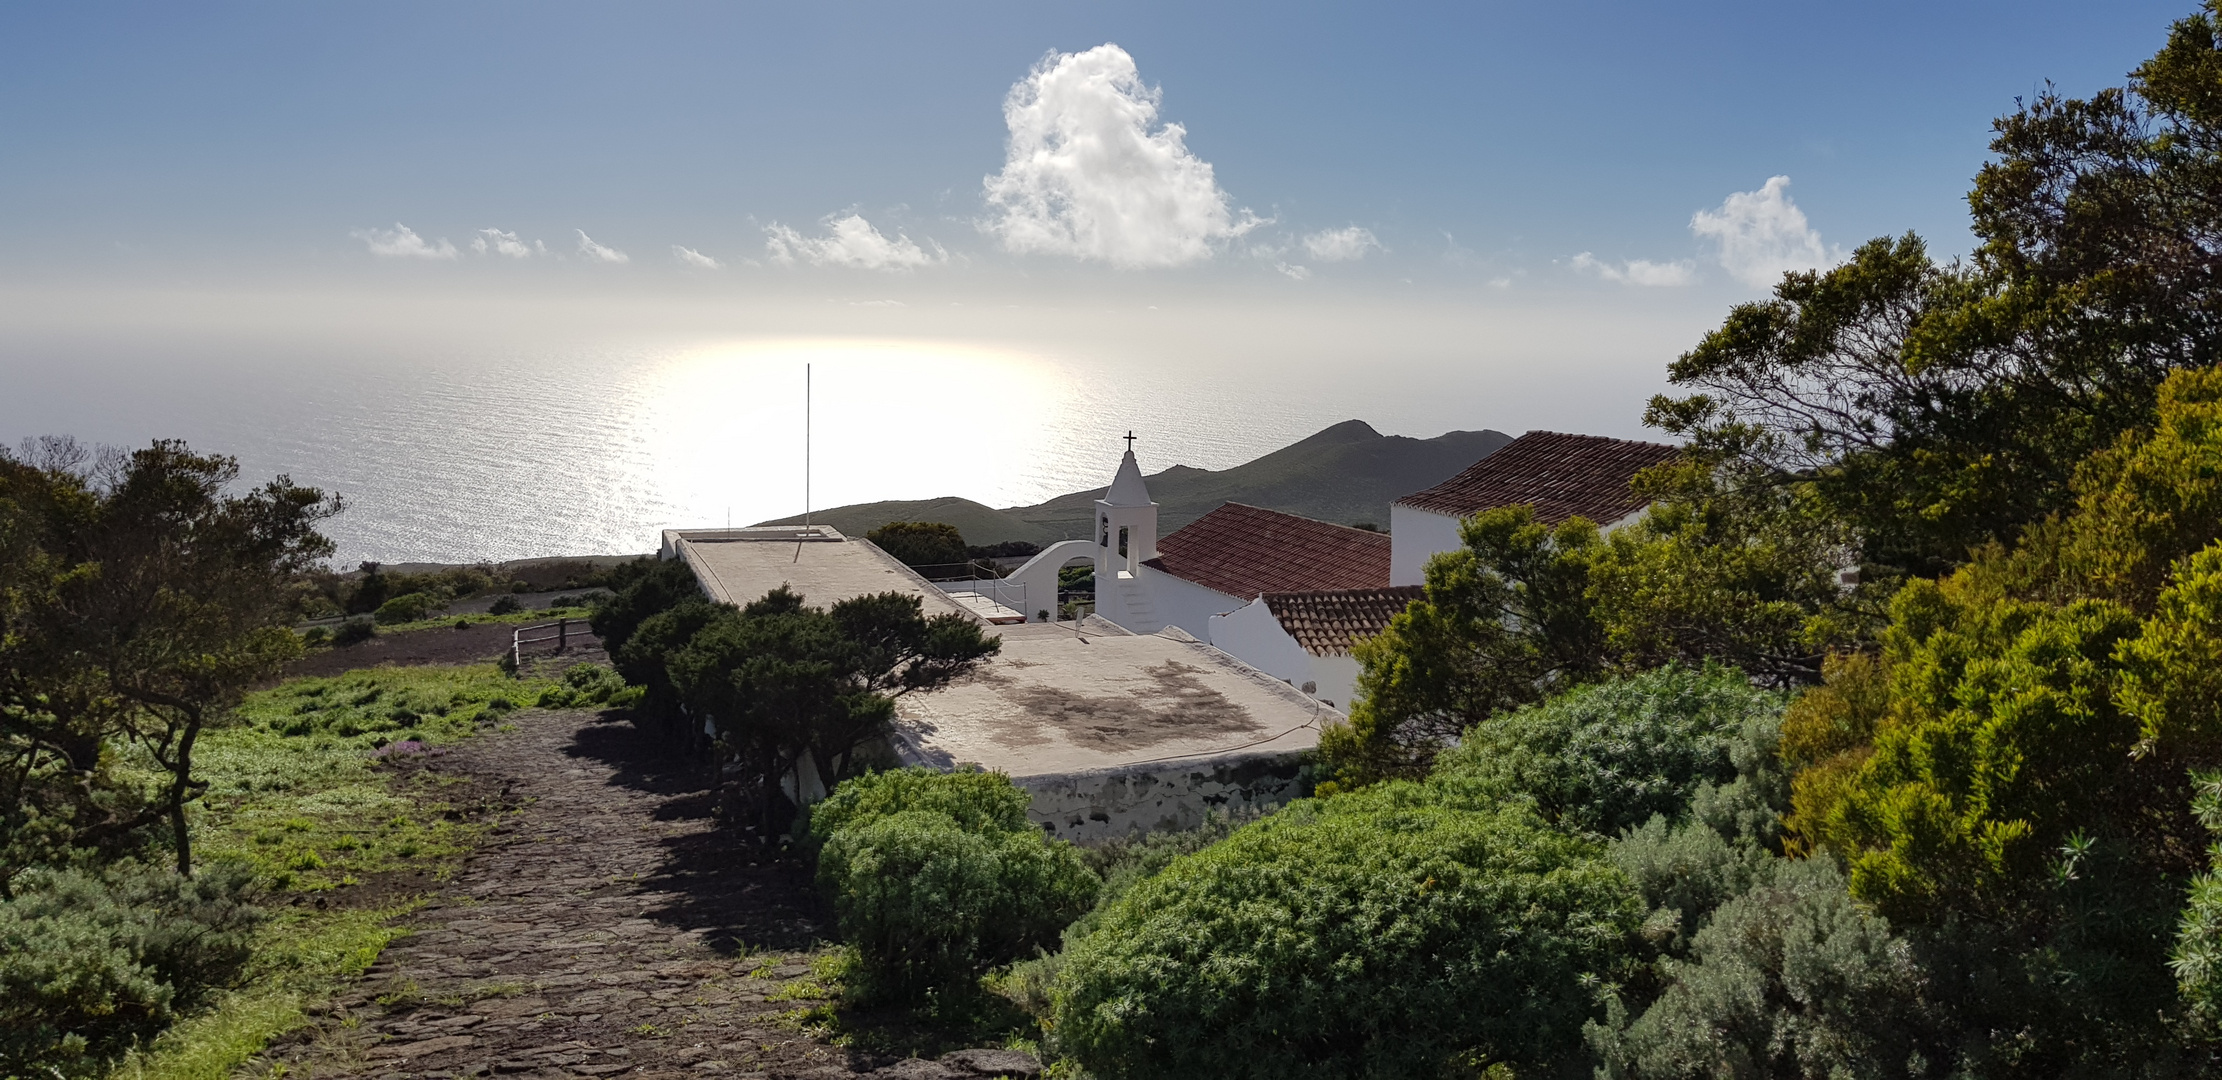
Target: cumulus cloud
(501,243)
(1638,271)
(1341,245)
(1090,173)
(694,258)
(851,242)
(1761,234)
(402,242)
(597,252)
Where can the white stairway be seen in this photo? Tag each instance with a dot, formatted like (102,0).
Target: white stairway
(1135,611)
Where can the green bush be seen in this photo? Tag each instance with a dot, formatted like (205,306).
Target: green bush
(976,801)
(921,543)
(91,964)
(1606,757)
(938,878)
(930,905)
(1790,978)
(408,608)
(505,605)
(1122,863)
(354,631)
(586,685)
(1388,933)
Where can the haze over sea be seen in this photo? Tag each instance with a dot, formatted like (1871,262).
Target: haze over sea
(456,447)
(542,280)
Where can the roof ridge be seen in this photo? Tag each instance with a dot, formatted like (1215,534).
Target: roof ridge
(1299,517)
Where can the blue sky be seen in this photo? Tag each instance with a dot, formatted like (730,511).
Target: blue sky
(1475,143)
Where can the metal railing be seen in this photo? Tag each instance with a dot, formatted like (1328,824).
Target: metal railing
(1010,594)
(561,631)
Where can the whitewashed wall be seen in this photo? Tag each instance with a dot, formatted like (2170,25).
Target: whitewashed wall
(1415,535)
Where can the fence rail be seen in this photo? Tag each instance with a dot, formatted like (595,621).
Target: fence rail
(562,632)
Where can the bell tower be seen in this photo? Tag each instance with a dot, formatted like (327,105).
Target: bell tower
(1126,521)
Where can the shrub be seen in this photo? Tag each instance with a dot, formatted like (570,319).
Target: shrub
(976,801)
(505,605)
(90,964)
(1384,933)
(408,608)
(921,543)
(1606,757)
(1684,873)
(1790,978)
(588,684)
(929,904)
(354,631)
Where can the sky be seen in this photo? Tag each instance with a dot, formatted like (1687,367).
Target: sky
(1567,194)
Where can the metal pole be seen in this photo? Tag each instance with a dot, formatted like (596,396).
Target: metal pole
(805,463)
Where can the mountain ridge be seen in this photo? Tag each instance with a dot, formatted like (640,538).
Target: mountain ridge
(1346,473)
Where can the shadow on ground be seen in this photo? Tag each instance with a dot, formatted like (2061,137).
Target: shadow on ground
(745,895)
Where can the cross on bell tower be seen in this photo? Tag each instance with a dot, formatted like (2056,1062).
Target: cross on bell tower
(1126,521)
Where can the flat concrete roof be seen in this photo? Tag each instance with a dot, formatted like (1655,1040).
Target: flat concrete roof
(1058,700)
(738,567)
(1053,704)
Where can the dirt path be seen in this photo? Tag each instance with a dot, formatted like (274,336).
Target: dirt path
(608,928)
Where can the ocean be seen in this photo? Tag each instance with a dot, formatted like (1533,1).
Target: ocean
(481,450)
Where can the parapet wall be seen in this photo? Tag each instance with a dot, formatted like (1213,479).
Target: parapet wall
(1111,803)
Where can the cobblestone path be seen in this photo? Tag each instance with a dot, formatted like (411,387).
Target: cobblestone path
(607,929)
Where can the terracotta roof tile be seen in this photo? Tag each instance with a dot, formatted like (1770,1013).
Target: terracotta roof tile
(1244,551)
(1327,623)
(1562,476)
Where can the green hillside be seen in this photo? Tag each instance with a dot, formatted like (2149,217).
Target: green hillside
(1346,474)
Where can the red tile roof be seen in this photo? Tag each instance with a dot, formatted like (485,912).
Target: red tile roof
(1327,623)
(1562,476)
(1244,551)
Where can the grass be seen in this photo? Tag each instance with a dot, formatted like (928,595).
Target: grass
(306,788)
(305,959)
(517,618)
(299,788)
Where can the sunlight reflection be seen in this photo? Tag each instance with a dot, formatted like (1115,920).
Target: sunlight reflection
(892,420)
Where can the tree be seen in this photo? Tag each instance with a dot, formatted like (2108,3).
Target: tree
(638,590)
(164,599)
(1938,408)
(1524,611)
(785,682)
(1505,622)
(921,543)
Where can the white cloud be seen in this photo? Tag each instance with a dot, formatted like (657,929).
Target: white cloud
(694,258)
(1762,234)
(402,242)
(1086,176)
(592,250)
(1297,272)
(501,243)
(851,242)
(1638,271)
(1341,245)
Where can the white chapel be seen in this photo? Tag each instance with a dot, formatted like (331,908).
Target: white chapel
(1290,595)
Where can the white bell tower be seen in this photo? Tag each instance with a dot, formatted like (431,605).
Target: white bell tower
(1126,521)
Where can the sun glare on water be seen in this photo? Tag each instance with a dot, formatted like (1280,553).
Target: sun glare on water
(723,425)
